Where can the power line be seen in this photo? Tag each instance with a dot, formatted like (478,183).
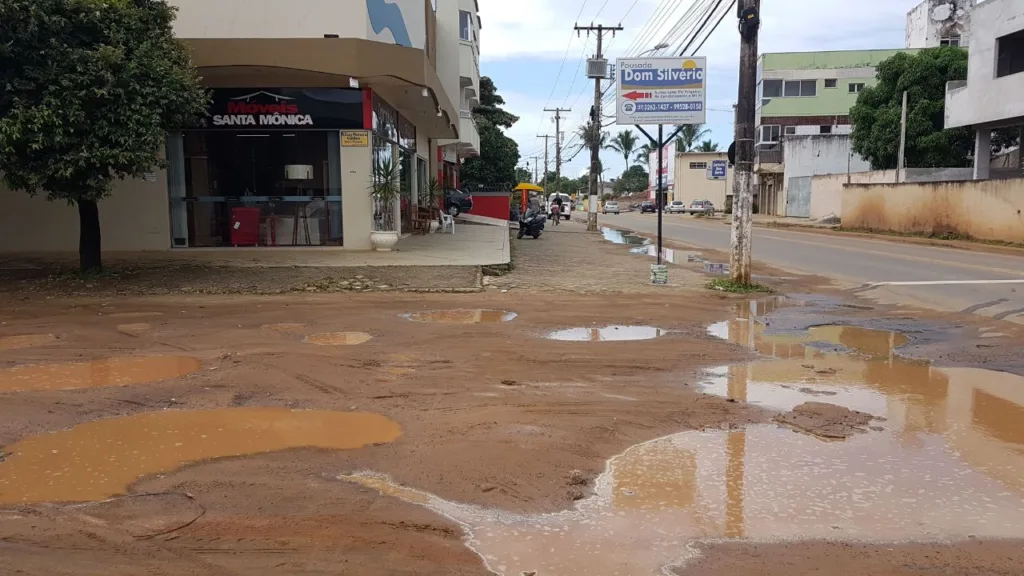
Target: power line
(562,65)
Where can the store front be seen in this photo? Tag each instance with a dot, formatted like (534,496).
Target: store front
(265,170)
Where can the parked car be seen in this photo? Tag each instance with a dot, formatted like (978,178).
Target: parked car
(456,201)
(676,207)
(566,205)
(701,207)
(648,207)
(610,207)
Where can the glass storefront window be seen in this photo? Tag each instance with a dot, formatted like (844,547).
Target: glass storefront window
(274,188)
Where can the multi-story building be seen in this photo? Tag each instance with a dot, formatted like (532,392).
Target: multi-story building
(305,102)
(805,94)
(990,98)
(934,23)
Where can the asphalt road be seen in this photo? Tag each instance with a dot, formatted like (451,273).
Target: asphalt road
(945,279)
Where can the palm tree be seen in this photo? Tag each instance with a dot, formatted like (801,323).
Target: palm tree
(643,153)
(587,134)
(708,146)
(624,143)
(689,135)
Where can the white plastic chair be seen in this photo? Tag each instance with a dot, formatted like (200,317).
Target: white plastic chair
(447,220)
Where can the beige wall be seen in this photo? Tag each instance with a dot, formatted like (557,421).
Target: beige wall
(693,185)
(134,217)
(356,205)
(827,191)
(987,210)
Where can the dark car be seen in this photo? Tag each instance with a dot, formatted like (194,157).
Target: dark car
(648,207)
(456,201)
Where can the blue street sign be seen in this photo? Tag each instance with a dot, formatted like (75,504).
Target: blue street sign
(718,170)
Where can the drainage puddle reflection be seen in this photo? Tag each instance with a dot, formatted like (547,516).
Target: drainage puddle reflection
(26,341)
(607,334)
(118,371)
(619,237)
(461,316)
(100,459)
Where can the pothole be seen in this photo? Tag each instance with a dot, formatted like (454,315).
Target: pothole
(607,334)
(467,316)
(26,341)
(117,371)
(339,338)
(100,459)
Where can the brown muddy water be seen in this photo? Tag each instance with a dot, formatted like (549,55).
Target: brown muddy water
(339,338)
(26,341)
(468,316)
(946,463)
(100,459)
(607,334)
(117,371)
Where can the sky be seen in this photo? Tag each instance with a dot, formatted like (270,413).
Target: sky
(529,49)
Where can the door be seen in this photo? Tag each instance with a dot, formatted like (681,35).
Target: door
(798,197)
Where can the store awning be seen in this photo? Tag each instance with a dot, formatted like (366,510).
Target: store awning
(402,76)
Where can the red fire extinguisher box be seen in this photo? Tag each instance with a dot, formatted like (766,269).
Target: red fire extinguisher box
(245,226)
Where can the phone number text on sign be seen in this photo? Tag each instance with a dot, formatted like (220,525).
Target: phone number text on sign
(669,106)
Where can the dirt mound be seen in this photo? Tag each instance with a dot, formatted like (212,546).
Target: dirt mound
(826,421)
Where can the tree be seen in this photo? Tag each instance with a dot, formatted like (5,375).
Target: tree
(624,143)
(88,91)
(587,134)
(708,146)
(523,175)
(689,135)
(499,154)
(643,154)
(876,115)
(635,179)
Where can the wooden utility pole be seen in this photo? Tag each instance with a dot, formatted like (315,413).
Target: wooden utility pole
(558,140)
(597,69)
(545,137)
(749,12)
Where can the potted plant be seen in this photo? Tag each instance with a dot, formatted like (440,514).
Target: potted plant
(385,191)
(433,197)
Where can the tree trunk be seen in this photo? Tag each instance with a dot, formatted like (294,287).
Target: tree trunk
(89,236)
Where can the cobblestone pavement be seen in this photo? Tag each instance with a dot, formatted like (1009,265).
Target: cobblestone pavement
(568,258)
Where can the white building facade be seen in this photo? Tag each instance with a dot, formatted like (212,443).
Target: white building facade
(305,102)
(990,98)
(934,23)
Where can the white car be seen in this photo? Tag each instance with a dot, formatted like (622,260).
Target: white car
(566,205)
(610,208)
(676,207)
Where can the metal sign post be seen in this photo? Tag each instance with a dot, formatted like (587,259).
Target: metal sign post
(660,91)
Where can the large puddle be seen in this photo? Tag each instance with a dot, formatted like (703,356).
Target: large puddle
(25,341)
(947,463)
(619,237)
(467,316)
(117,371)
(607,334)
(100,459)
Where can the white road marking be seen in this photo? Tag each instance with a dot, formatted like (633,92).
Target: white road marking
(945,282)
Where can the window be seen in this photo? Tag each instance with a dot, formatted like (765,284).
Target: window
(769,134)
(772,88)
(465,25)
(790,130)
(1010,51)
(856,87)
(698,165)
(950,41)
(795,88)
(831,83)
(825,130)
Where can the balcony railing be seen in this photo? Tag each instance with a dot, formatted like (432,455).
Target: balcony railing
(768,154)
(466,114)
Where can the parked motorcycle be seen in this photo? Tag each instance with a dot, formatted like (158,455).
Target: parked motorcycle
(532,223)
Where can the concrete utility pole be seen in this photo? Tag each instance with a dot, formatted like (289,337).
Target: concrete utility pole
(545,137)
(749,12)
(903,141)
(597,68)
(536,164)
(558,140)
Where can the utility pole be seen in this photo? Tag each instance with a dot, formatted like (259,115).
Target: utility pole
(558,140)
(903,142)
(749,13)
(545,137)
(536,164)
(597,68)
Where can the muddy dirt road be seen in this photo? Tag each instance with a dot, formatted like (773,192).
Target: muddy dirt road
(394,433)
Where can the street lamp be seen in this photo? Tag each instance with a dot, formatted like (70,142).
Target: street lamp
(655,49)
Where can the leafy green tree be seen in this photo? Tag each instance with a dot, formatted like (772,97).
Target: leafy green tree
(88,91)
(499,154)
(689,135)
(624,143)
(707,146)
(523,175)
(635,179)
(876,115)
(643,154)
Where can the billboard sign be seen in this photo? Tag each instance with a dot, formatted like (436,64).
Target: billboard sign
(718,170)
(668,169)
(660,90)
